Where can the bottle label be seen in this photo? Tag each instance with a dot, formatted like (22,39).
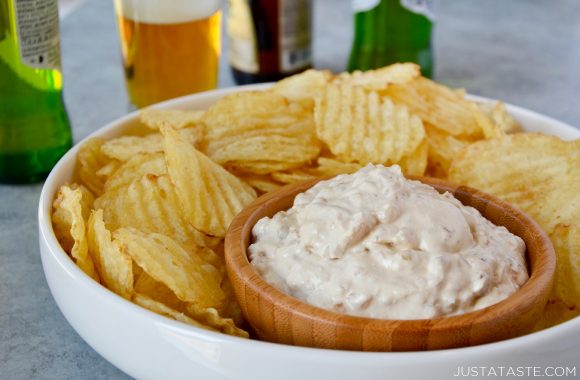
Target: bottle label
(243,49)
(295,34)
(422,7)
(38,33)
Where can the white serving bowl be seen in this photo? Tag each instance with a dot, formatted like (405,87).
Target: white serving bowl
(148,346)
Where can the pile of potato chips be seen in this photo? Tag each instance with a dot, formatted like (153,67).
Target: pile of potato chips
(147,214)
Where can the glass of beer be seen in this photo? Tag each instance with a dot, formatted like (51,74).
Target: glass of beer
(170,48)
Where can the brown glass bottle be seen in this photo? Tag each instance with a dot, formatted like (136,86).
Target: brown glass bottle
(269,39)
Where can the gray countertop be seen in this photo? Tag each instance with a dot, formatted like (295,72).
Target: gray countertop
(524,52)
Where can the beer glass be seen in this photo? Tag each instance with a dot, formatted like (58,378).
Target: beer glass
(170,48)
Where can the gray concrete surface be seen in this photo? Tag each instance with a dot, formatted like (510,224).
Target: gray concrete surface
(522,51)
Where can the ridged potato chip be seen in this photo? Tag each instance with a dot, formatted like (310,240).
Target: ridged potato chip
(191,279)
(210,196)
(125,147)
(537,173)
(329,166)
(69,214)
(380,79)
(416,162)
(304,87)
(566,240)
(296,150)
(135,168)
(211,317)
(443,148)
(114,266)
(360,126)
(262,183)
(162,309)
(261,167)
(150,204)
(89,160)
(437,105)
(293,176)
(499,115)
(154,118)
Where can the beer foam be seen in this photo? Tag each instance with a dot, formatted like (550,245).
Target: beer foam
(166,11)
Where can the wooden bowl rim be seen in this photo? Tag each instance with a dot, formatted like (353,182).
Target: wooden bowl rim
(522,300)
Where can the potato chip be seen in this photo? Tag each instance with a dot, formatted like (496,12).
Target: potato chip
(416,162)
(261,167)
(149,204)
(437,105)
(566,240)
(114,266)
(297,150)
(210,196)
(443,148)
(90,159)
(500,117)
(162,309)
(68,211)
(537,173)
(157,291)
(211,317)
(330,167)
(62,218)
(154,118)
(135,168)
(188,276)
(304,87)
(359,126)
(556,312)
(107,171)
(299,175)
(125,147)
(380,79)
(490,129)
(261,183)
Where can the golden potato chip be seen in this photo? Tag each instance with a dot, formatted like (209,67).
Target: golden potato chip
(537,173)
(500,117)
(304,87)
(268,148)
(443,148)
(293,176)
(188,276)
(490,129)
(261,183)
(211,317)
(416,162)
(157,291)
(210,196)
(90,159)
(68,211)
(114,266)
(360,126)
(437,105)
(107,171)
(566,240)
(125,147)
(380,79)
(149,204)
(330,167)
(261,167)
(135,168)
(154,118)
(162,309)
(556,312)
(62,218)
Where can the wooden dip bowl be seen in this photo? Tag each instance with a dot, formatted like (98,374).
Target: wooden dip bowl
(278,317)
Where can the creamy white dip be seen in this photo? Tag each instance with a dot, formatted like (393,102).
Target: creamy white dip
(375,244)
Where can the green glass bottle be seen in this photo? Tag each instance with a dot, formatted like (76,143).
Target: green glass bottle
(390,31)
(34,126)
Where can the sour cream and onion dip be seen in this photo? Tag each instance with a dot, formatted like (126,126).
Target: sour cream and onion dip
(375,244)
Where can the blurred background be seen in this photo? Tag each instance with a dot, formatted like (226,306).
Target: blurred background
(520,51)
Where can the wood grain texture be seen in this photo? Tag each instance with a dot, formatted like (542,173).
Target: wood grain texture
(281,318)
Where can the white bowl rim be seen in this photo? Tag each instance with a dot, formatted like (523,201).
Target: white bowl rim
(62,258)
